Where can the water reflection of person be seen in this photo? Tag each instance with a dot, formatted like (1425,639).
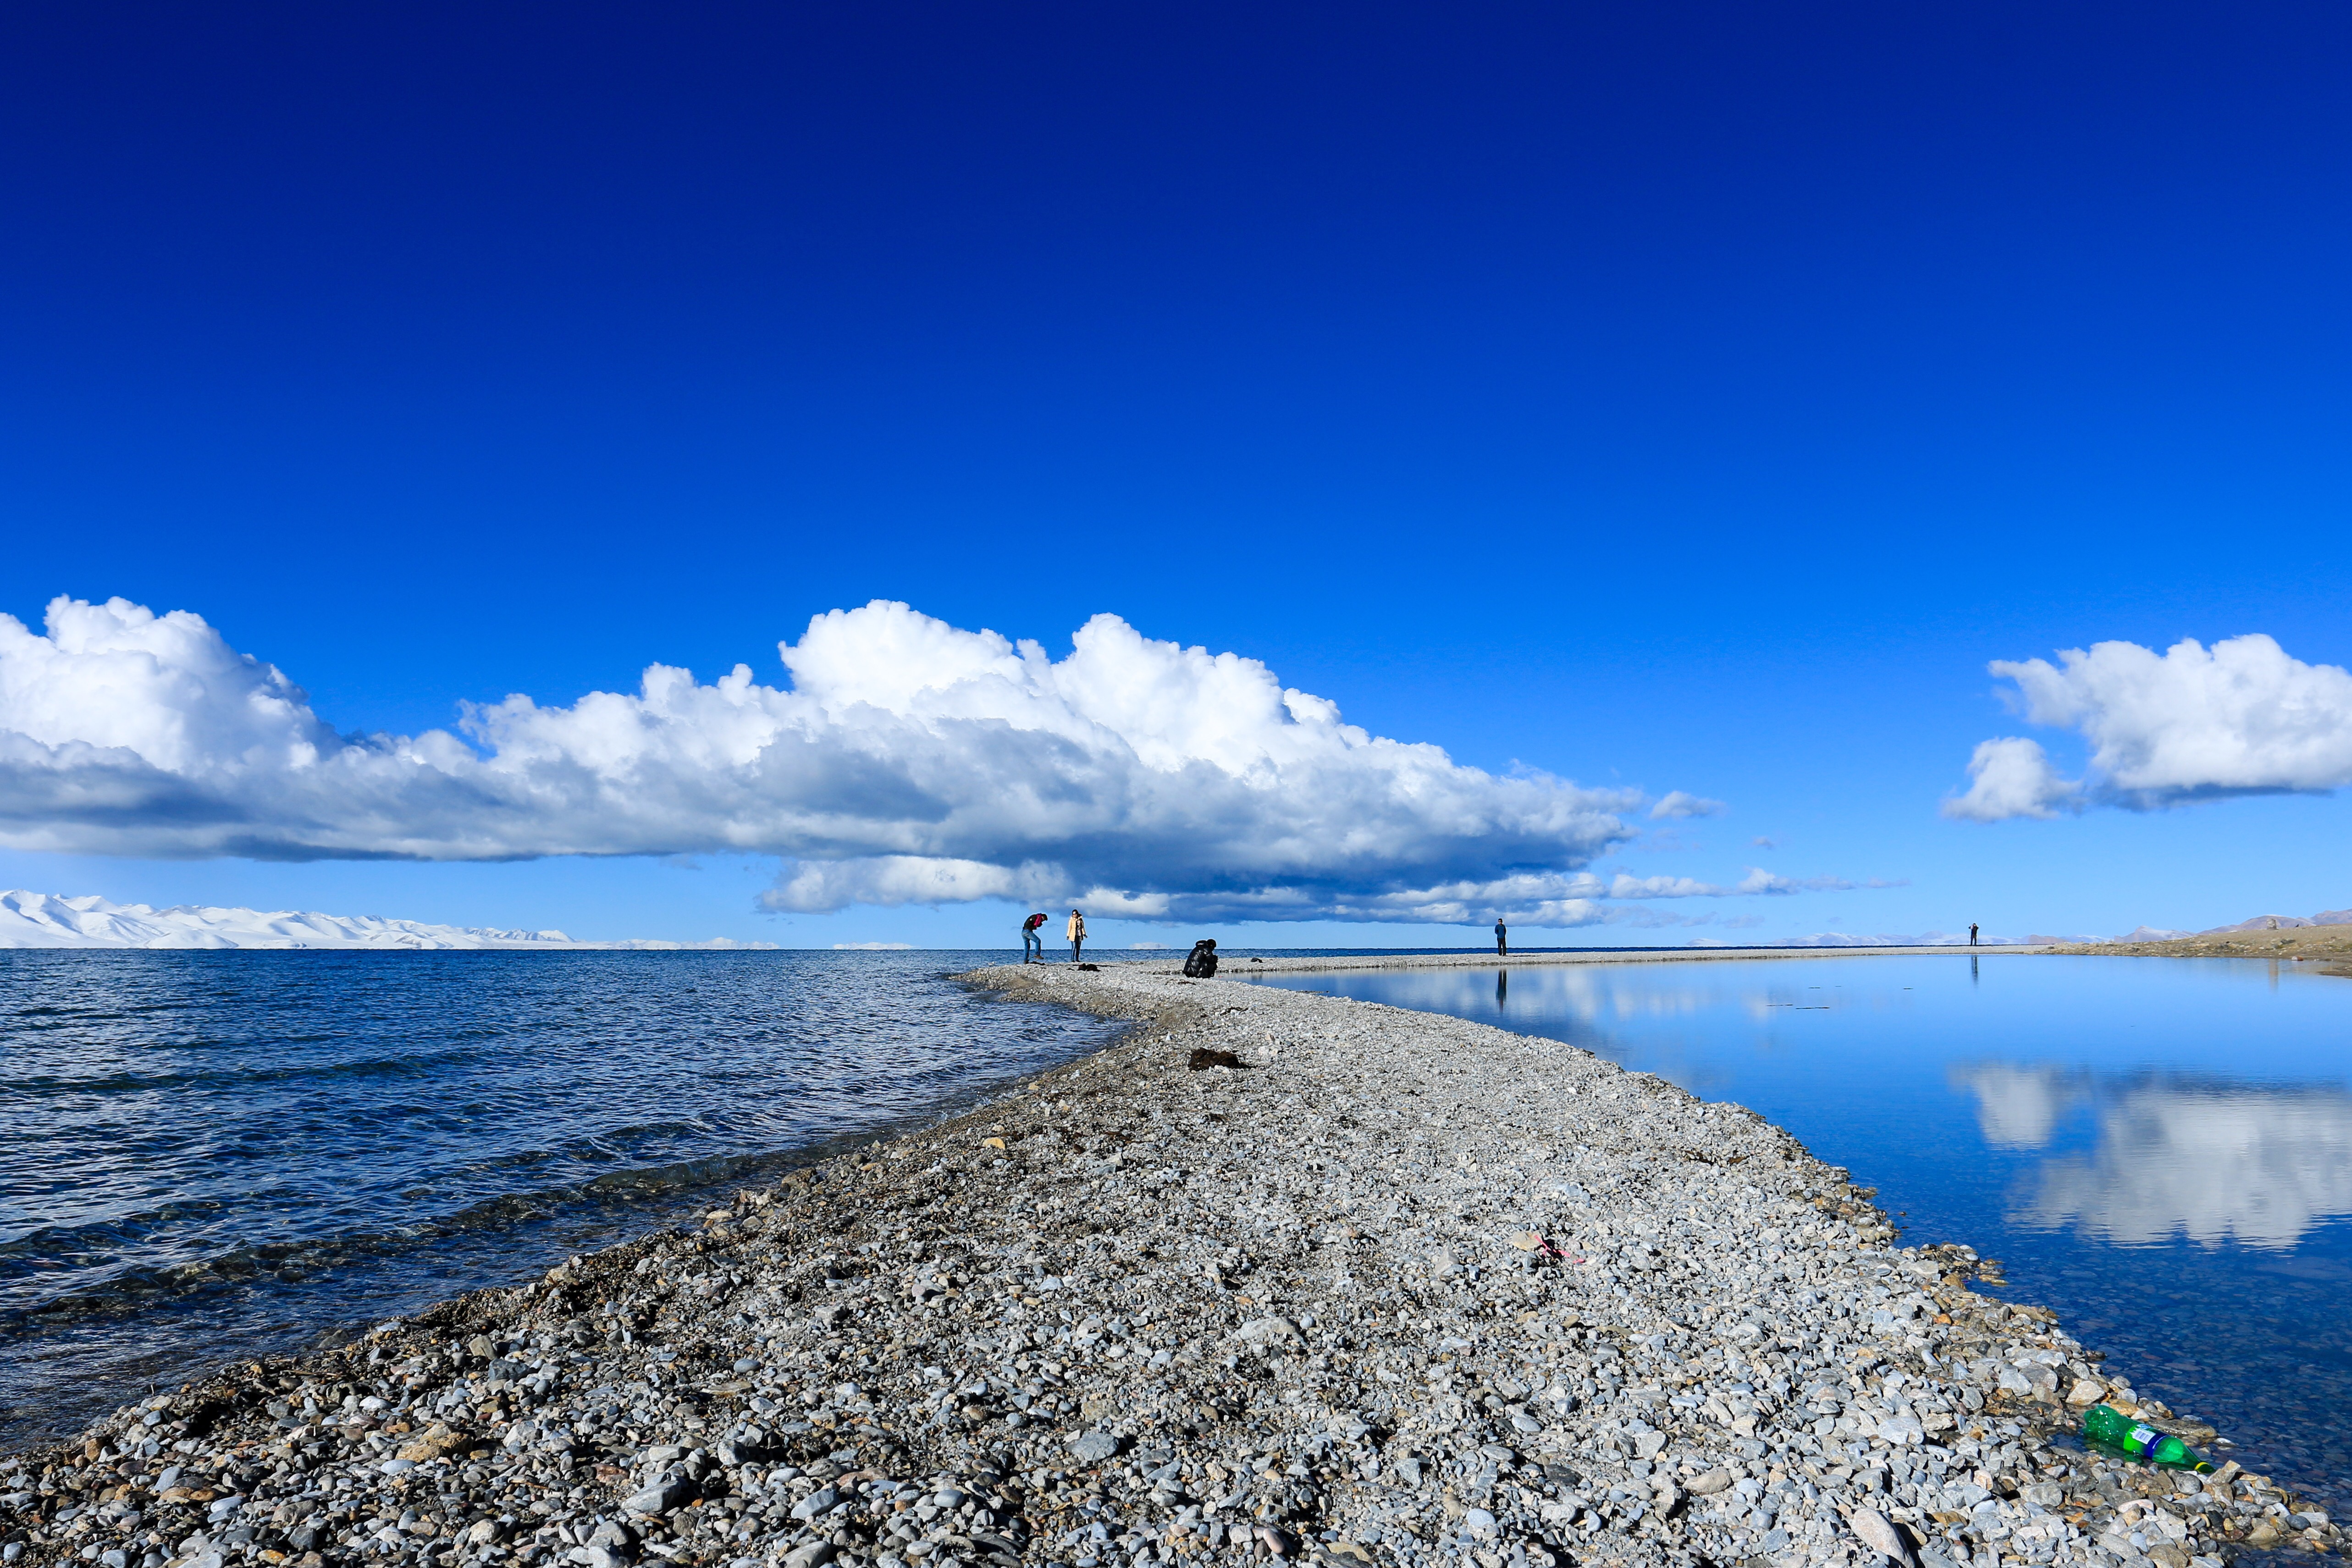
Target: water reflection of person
(1502,988)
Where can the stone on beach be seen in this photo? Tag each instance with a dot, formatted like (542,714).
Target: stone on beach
(1092,1447)
(1871,1527)
(1269,1331)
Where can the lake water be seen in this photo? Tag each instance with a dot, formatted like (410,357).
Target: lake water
(211,1154)
(2159,1148)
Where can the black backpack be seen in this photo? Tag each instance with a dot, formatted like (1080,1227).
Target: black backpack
(1201,964)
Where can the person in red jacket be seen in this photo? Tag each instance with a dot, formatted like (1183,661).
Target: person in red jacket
(1031,939)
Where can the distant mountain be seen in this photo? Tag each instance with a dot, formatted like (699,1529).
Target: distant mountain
(2214,940)
(2143,935)
(44,920)
(2276,923)
(1848,939)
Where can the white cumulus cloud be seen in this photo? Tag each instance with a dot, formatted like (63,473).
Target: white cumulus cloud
(907,760)
(2012,777)
(2243,717)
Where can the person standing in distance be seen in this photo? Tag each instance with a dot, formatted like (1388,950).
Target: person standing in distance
(1033,938)
(1502,938)
(1077,934)
(1972,933)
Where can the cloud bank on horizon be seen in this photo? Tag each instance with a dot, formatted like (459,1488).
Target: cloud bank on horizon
(910,761)
(2193,724)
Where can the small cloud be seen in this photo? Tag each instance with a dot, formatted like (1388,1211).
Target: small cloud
(1680,803)
(2012,777)
(1147,947)
(1759,880)
(1630,887)
(1763,843)
(873,947)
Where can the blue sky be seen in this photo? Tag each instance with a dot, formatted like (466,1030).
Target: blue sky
(1697,399)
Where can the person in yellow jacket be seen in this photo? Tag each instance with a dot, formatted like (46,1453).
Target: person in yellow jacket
(1077,934)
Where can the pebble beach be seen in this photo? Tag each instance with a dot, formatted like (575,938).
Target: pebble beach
(1276,1275)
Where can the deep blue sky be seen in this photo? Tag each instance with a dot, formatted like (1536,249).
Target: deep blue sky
(1689,397)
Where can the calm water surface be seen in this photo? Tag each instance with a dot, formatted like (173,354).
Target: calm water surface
(2160,1149)
(211,1154)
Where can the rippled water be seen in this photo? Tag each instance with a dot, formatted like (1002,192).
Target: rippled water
(2160,1149)
(217,1153)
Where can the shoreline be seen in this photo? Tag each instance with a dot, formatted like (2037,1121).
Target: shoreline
(1236,966)
(1401,1289)
(2327,946)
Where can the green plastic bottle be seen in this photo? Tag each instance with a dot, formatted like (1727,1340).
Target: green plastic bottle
(2111,1428)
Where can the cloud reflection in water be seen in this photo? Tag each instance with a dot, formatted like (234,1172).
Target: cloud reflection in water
(2261,1167)
(2019,1107)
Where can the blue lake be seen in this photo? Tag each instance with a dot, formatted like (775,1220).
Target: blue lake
(2159,1148)
(212,1154)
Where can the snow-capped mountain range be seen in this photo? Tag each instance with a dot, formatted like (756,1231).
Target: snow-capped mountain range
(44,920)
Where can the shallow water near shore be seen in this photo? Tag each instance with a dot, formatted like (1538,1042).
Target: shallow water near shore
(217,1155)
(2159,1148)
